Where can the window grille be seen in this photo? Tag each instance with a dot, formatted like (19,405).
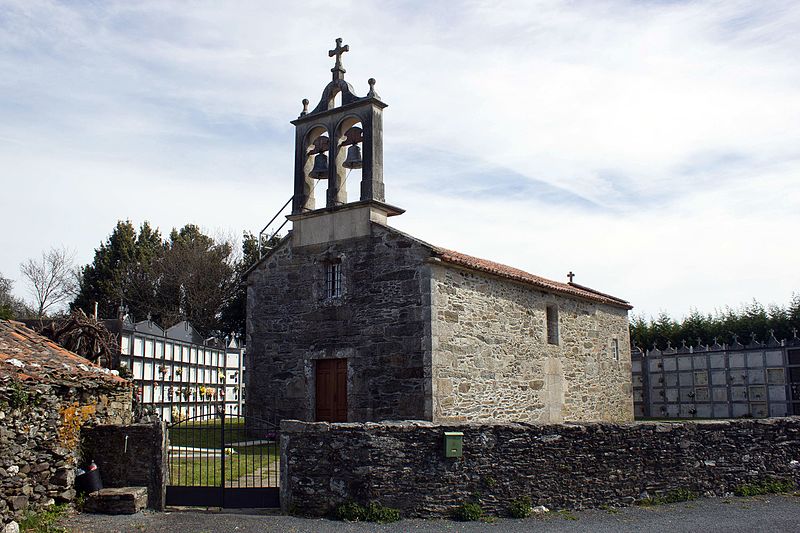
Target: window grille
(333,280)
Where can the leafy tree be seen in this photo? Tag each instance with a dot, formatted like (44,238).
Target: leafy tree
(234,312)
(188,276)
(196,277)
(10,305)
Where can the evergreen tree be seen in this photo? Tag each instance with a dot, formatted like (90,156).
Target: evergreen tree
(121,272)
(725,325)
(10,306)
(189,276)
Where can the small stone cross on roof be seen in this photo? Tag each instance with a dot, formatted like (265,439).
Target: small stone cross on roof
(338,51)
(571,275)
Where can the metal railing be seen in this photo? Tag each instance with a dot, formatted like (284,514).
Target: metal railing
(264,229)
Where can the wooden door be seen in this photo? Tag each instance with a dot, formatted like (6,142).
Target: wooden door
(331,390)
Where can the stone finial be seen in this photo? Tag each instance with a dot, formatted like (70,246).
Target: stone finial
(372,93)
(304,112)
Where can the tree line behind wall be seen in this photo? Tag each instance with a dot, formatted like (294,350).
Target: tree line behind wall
(726,326)
(186,276)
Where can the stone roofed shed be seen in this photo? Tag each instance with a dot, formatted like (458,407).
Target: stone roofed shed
(349,319)
(47,394)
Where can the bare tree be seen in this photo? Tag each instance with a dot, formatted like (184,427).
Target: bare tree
(52,280)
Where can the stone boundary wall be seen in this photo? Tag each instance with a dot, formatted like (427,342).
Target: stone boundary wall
(40,427)
(141,464)
(571,466)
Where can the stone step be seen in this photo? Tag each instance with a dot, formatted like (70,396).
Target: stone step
(122,500)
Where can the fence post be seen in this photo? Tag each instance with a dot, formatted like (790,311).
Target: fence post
(222,461)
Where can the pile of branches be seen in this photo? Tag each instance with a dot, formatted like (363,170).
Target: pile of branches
(84,336)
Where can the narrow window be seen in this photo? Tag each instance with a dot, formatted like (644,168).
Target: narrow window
(615,348)
(333,279)
(552,324)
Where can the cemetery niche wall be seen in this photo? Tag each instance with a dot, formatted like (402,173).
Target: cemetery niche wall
(718,381)
(178,373)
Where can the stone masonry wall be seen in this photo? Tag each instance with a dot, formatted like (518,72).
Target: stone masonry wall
(379,324)
(491,359)
(402,465)
(40,427)
(139,463)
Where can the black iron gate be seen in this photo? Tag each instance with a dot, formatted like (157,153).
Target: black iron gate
(219,460)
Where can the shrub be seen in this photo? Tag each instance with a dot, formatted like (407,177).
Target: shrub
(44,521)
(520,508)
(351,512)
(374,512)
(673,496)
(469,512)
(765,486)
(381,514)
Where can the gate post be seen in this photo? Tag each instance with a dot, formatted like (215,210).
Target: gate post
(222,460)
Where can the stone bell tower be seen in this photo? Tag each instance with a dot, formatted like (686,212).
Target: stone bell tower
(330,141)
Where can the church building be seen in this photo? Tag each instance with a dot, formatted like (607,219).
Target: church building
(349,319)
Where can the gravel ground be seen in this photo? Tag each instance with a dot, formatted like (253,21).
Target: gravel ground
(762,513)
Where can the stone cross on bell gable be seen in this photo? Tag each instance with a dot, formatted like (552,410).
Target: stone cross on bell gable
(338,51)
(570,276)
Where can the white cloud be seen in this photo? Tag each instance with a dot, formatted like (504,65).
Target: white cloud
(677,122)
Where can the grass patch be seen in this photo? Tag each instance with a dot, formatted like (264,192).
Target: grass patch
(468,512)
(673,496)
(374,512)
(44,521)
(566,515)
(201,470)
(520,508)
(766,486)
(208,433)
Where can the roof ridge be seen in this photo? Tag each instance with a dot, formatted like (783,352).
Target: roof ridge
(517,274)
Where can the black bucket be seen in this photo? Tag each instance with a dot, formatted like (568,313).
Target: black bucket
(89,481)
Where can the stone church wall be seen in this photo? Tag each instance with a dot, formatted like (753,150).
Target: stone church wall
(491,359)
(575,466)
(378,324)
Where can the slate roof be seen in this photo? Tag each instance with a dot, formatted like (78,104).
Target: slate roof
(515,274)
(26,355)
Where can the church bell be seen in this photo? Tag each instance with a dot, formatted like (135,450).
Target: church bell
(320,170)
(353,159)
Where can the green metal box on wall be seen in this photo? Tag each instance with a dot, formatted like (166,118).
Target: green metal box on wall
(453,443)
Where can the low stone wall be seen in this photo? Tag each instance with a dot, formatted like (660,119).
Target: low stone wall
(40,427)
(573,466)
(140,463)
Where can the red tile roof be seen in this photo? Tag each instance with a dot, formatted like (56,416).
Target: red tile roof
(515,274)
(29,356)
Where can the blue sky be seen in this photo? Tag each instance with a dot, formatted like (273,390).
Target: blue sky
(651,147)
